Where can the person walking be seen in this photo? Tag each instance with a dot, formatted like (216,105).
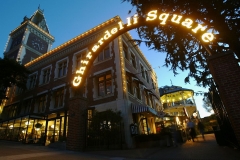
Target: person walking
(191,129)
(201,129)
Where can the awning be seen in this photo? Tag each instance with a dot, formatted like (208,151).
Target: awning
(141,109)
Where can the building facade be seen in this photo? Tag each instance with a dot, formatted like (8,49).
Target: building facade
(178,102)
(120,79)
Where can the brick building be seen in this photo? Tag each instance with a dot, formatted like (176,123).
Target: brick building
(120,79)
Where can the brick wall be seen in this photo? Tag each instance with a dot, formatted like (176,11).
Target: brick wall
(226,73)
(77,124)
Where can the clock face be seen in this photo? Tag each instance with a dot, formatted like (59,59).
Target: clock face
(38,44)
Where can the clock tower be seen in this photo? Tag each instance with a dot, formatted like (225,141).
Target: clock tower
(29,40)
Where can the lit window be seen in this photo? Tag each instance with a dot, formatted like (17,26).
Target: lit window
(105,85)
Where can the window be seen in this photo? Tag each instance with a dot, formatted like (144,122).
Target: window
(78,60)
(146,97)
(89,118)
(19,90)
(153,84)
(58,98)
(26,106)
(129,84)
(62,68)
(105,84)
(45,76)
(42,103)
(105,54)
(144,126)
(146,74)
(125,51)
(133,60)
(137,91)
(142,71)
(32,81)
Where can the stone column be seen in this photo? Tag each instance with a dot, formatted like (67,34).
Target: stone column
(76,137)
(225,70)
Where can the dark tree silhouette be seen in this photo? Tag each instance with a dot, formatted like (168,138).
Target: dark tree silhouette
(183,50)
(12,73)
(207,105)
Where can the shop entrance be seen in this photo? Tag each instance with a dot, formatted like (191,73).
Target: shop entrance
(54,130)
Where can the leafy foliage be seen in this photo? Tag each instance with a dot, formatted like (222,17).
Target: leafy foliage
(105,129)
(183,50)
(12,73)
(106,119)
(207,103)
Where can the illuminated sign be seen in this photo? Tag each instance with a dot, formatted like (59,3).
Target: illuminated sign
(153,15)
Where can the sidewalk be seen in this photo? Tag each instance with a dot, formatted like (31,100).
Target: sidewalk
(199,149)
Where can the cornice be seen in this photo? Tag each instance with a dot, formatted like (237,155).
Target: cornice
(73,44)
(37,29)
(65,51)
(32,50)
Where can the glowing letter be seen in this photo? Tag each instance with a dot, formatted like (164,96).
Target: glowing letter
(207,37)
(163,17)
(120,25)
(84,62)
(135,19)
(107,35)
(100,41)
(89,55)
(77,81)
(129,22)
(187,23)
(174,19)
(151,15)
(95,47)
(198,27)
(81,70)
(114,30)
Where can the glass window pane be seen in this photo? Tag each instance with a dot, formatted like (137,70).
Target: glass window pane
(108,76)
(101,91)
(109,87)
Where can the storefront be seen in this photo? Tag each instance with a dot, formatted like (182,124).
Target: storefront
(35,128)
(144,117)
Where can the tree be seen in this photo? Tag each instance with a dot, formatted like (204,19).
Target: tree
(207,105)
(11,73)
(183,50)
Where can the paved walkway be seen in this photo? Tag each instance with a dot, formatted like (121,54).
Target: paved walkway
(199,150)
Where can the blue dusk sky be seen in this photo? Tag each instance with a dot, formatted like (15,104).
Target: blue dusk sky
(67,19)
